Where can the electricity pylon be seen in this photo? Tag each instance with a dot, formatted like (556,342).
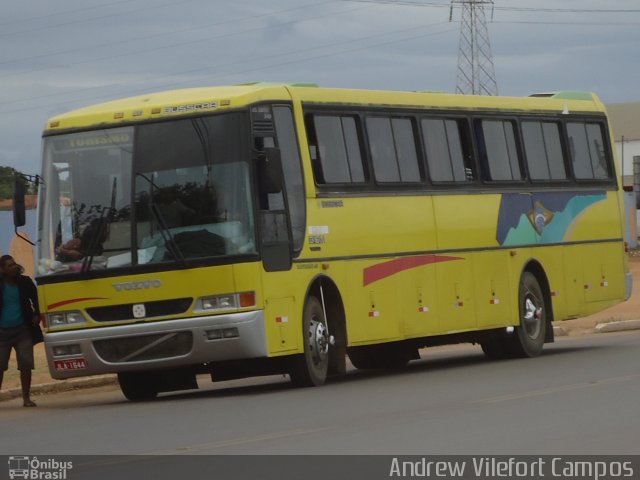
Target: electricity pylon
(476,74)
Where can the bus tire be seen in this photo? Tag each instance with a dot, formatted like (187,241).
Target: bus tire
(310,368)
(528,338)
(495,348)
(381,357)
(363,358)
(137,387)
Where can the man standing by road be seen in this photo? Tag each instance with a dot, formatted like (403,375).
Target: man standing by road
(19,323)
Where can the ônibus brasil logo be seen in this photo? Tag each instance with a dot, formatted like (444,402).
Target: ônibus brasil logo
(38,469)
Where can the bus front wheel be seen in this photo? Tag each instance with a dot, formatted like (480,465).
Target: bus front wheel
(137,387)
(310,368)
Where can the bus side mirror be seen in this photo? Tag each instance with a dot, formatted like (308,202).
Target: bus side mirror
(19,216)
(275,243)
(270,176)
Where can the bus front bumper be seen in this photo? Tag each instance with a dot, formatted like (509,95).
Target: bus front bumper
(159,344)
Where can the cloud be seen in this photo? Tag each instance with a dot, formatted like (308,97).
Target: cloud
(56,56)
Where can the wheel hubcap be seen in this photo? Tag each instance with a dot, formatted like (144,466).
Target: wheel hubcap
(318,341)
(532,317)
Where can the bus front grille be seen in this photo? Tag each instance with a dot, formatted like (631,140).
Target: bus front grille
(144,347)
(161,308)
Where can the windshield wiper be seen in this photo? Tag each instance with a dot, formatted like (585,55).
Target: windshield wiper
(169,242)
(98,234)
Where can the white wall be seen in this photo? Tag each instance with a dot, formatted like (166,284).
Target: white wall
(631,149)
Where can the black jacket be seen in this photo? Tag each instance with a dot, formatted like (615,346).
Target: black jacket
(28,304)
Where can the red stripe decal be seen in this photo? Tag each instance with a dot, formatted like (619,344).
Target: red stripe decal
(386,269)
(75,300)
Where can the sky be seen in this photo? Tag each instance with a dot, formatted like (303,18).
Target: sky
(62,55)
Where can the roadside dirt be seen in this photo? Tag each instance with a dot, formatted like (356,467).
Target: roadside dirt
(40,374)
(579,326)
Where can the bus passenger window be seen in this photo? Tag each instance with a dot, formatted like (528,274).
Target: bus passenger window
(498,151)
(543,150)
(393,150)
(447,147)
(335,149)
(587,149)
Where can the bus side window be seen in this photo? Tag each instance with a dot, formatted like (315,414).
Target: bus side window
(334,147)
(393,150)
(498,150)
(587,148)
(448,150)
(543,149)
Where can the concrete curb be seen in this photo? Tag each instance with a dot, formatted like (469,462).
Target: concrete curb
(560,331)
(618,326)
(61,386)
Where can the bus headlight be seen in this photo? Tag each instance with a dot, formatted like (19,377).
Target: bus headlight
(65,319)
(230,301)
(219,302)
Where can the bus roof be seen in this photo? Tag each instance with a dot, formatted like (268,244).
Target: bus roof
(169,103)
(209,99)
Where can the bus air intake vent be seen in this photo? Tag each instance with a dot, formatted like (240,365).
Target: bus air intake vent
(161,308)
(262,126)
(144,347)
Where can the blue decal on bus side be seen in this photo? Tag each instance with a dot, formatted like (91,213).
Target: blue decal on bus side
(541,217)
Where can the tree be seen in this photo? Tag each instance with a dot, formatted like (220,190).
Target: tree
(7,176)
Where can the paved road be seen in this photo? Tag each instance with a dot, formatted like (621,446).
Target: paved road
(580,397)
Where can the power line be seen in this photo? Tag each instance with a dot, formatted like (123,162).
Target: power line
(400,2)
(183,72)
(180,44)
(515,9)
(101,17)
(64,12)
(571,10)
(165,33)
(589,24)
(342,52)
(263,57)
(130,92)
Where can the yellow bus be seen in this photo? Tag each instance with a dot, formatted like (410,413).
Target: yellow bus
(267,228)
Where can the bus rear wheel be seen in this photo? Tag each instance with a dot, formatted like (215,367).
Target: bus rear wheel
(528,338)
(137,387)
(310,368)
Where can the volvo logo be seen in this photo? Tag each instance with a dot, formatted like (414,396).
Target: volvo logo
(142,285)
(139,310)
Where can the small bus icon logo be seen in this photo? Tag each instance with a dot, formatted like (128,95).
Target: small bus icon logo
(18,467)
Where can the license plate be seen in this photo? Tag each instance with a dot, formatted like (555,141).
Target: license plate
(71,364)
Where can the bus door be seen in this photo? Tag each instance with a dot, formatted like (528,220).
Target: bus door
(273,220)
(281,212)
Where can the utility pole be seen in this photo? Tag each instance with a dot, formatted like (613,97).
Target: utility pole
(476,74)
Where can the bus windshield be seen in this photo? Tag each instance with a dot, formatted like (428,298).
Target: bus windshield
(153,193)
